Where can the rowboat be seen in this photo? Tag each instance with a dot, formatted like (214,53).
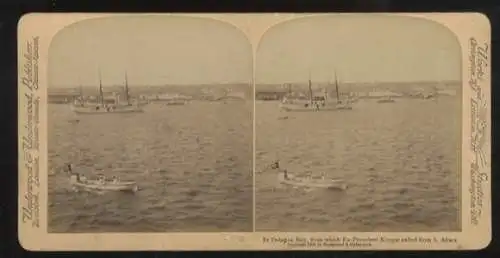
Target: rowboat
(103,184)
(313,182)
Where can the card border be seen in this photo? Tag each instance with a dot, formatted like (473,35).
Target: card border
(464,25)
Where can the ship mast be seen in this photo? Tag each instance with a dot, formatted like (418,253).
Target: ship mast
(310,90)
(81,88)
(337,87)
(126,89)
(101,95)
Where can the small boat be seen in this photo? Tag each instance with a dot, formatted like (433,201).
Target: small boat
(386,100)
(174,102)
(314,182)
(284,177)
(103,184)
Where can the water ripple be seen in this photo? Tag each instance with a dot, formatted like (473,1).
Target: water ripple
(193,165)
(400,161)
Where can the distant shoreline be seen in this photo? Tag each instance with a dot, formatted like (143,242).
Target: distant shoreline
(257,85)
(140,86)
(215,91)
(263,86)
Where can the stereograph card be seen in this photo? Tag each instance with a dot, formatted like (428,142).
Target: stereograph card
(254,131)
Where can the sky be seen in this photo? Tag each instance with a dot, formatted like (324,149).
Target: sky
(159,50)
(152,50)
(373,48)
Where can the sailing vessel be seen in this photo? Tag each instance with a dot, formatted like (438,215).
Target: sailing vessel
(387,99)
(103,108)
(316,103)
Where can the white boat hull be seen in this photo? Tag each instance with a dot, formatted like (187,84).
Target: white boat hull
(312,182)
(104,186)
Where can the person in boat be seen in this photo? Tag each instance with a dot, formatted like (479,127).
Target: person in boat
(102,180)
(285,173)
(316,106)
(115,180)
(70,171)
(275,164)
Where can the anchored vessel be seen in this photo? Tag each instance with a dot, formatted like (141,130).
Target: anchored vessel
(103,108)
(315,104)
(386,100)
(174,102)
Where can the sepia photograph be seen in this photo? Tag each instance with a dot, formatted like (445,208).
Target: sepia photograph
(358,126)
(225,131)
(150,126)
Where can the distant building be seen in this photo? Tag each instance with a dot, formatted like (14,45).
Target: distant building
(166,97)
(422,93)
(447,92)
(61,98)
(379,94)
(270,95)
(233,96)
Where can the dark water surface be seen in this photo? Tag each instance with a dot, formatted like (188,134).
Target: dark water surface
(401,161)
(193,164)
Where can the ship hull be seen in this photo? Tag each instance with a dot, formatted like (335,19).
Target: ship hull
(298,108)
(115,110)
(386,101)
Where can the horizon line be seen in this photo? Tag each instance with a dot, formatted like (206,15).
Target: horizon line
(263,83)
